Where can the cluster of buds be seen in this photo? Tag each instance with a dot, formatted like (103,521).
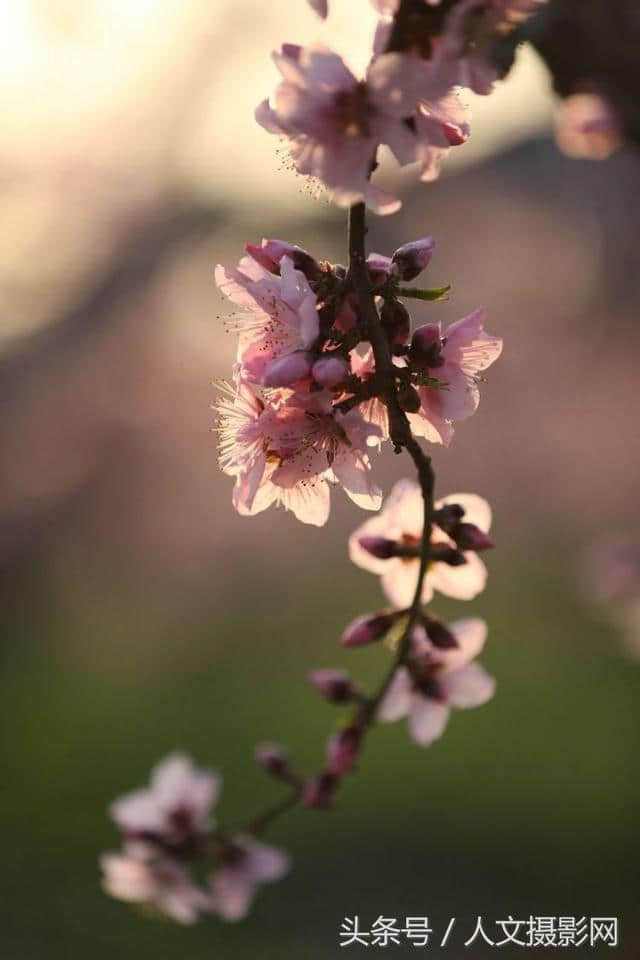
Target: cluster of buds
(305,409)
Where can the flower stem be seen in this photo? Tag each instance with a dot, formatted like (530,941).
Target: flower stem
(402,438)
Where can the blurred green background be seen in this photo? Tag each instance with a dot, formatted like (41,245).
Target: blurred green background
(527,806)
(142,615)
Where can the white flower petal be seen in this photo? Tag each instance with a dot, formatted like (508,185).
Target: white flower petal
(427,719)
(398,697)
(469,686)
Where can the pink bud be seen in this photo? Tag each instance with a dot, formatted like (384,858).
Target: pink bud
(273,758)
(440,635)
(379,267)
(287,370)
(270,253)
(426,346)
(470,537)
(317,793)
(334,685)
(330,370)
(368,628)
(396,321)
(411,259)
(343,749)
(379,547)
(444,553)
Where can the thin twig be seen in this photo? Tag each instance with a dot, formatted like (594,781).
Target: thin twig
(402,438)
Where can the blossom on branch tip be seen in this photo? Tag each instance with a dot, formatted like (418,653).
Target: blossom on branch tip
(175,806)
(335,122)
(436,679)
(401,520)
(245,864)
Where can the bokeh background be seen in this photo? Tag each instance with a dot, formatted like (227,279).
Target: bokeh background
(142,614)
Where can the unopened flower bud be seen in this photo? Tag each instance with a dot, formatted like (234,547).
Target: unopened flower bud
(273,758)
(334,685)
(270,253)
(443,553)
(287,370)
(368,628)
(426,346)
(449,516)
(343,749)
(396,321)
(317,793)
(409,398)
(329,370)
(379,267)
(379,547)
(469,537)
(440,635)
(411,258)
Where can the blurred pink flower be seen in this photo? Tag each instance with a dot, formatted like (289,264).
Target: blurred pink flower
(335,123)
(281,312)
(176,805)
(162,884)
(401,520)
(587,125)
(435,680)
(246,864)
(465,351)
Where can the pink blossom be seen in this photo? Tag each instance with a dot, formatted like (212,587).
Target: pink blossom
(466,351)
(402,519)
(436,680)
(286,448)
(162,884)
(335,123)
(281,316)
(587,126)
(177,803)
(246,864)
